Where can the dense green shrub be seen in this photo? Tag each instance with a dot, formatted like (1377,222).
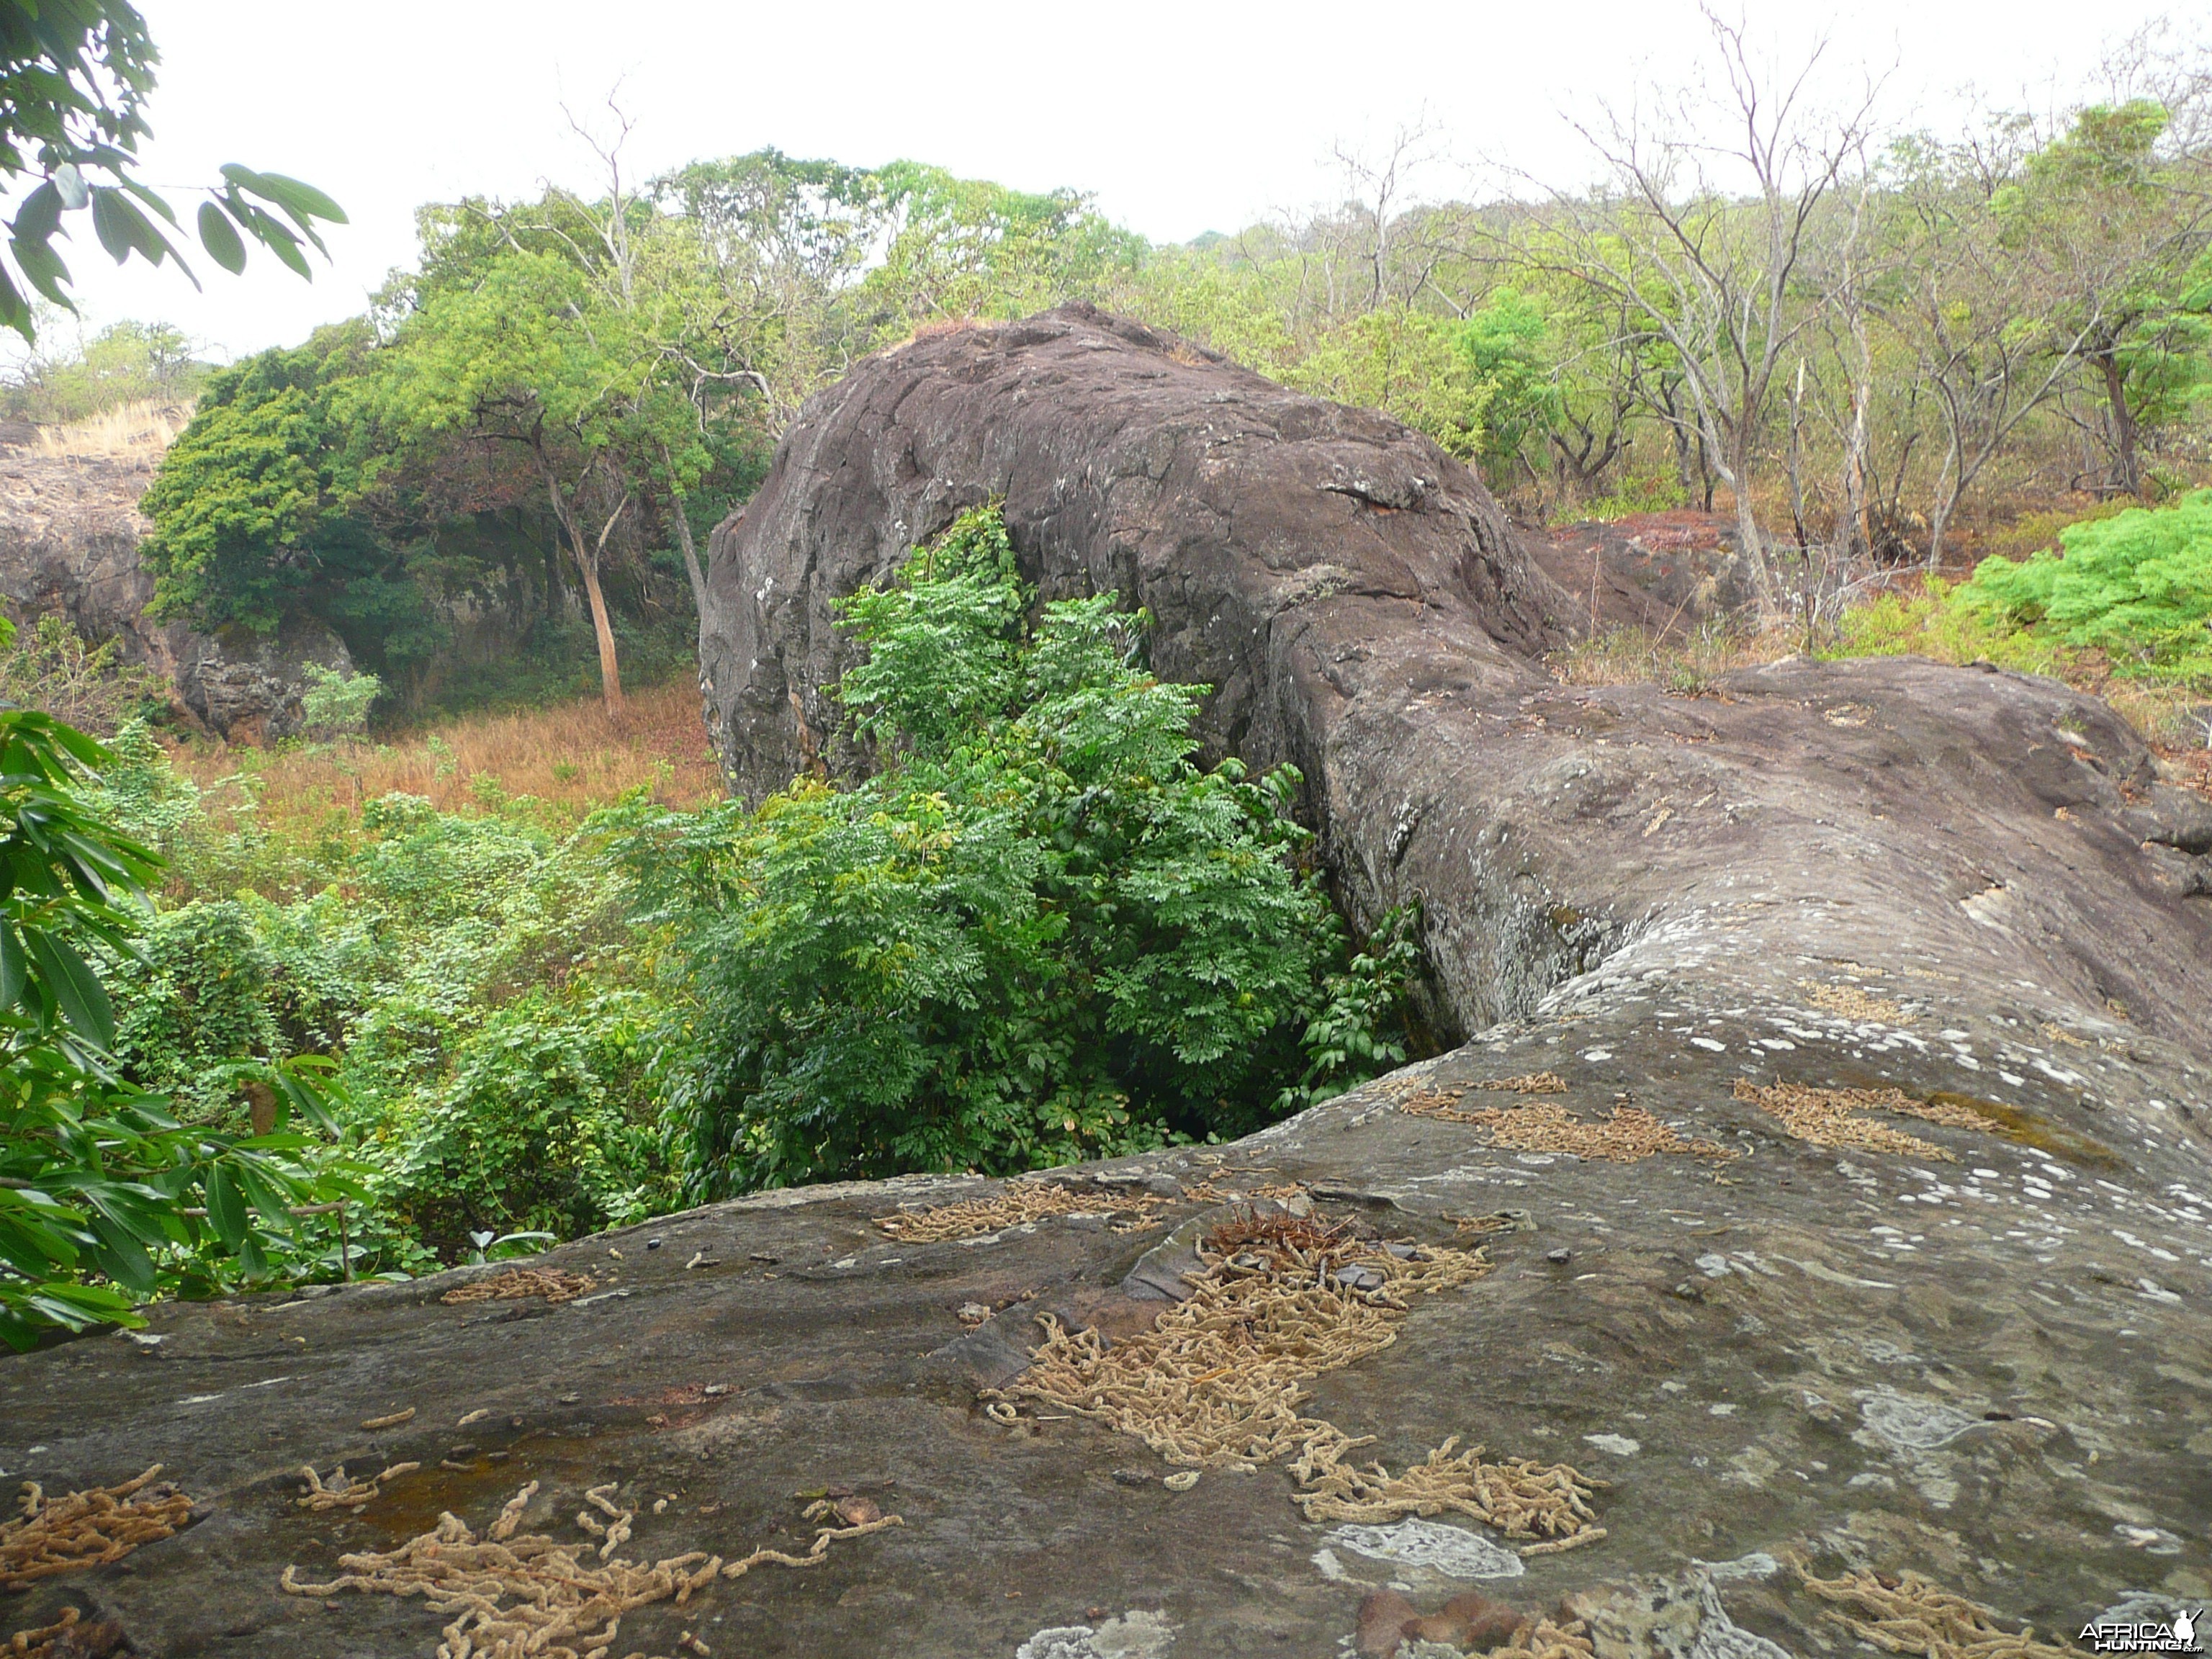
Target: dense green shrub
(195,1005)
(2137,585)
(545,1123)
(2131,595)
(1041,932)
(451,966)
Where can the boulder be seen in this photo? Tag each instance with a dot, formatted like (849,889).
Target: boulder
(1364,611)
(1833,1114)
(70,532)
(1666,574)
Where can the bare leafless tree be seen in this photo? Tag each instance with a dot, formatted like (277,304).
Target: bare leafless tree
(1702,238)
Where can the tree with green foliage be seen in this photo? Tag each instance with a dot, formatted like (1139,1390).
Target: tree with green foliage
(75,77)
(2119,228)
(527,361)
(1508,340)
(783,245)
(1042,932)
(1419,369)
(958,248)
(125,362)
(251,509)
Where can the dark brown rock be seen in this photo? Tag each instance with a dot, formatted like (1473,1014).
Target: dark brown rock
(1363,610)
(1383,1616)
(1489,1623)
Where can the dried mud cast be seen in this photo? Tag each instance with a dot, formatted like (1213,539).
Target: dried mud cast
(1806,1247)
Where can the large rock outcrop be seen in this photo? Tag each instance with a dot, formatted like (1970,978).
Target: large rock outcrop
(1363,610)
(69,531)
(1953,1323)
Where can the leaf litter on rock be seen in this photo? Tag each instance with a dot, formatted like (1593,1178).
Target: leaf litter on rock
(87,1528)
(1909,1613)
(554,1283)
(1829,1117)
(1217,1379)
(340,1491)
(68,1638)
(1630,1135)
(516,1596)
(1021,1201)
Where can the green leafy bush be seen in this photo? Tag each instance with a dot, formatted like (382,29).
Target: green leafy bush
(543,1123)
(196,1006)
(335,705)
(2137,585)
(1041,932)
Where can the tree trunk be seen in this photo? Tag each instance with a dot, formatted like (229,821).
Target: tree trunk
(610,670)
(1735,473)
(1947,488)
(684,539)
(691,556)
(2123,422)
(1856,533)
(587,566)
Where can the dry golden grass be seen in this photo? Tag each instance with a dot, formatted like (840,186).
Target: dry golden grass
(1685,661)
(572,759)
(141,428)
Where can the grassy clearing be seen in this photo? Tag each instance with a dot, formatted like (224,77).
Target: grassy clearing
(566,760)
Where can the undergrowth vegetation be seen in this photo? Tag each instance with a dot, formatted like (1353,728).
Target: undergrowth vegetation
(1040,931)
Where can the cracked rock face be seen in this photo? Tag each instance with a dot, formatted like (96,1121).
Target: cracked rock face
(1901,964)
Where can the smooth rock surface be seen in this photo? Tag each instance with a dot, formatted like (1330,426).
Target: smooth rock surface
(1364,611)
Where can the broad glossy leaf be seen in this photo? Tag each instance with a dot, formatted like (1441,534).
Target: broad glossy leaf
(45,270)
(40,216)
(220,239)
(278,240)
(152,198)
(77,993)
(124,1259)
(14,966)
(301,199)
(262,1192)
(111,217)
(225,1208)
(14,312)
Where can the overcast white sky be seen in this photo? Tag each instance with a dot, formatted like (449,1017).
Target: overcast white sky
(1180,116)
